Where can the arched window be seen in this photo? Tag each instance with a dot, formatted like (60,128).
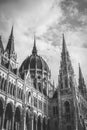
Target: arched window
(5,85)
(9,87)
(8,117)
(2,83)
(39,86)
(29,97)
(14,90)
(67,107)
(17,119)
(20,93)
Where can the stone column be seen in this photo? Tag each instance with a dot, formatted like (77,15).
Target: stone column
(41,124)
(36,124)
(3,120)
(32,123)
(13,120)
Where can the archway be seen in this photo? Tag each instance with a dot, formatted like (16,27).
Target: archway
(44,124)
(48,124)
(28,120)
(17,119)
(1,113)
(35,123)
(8,117)
(39,123)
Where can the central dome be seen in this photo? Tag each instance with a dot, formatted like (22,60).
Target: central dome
(34,62)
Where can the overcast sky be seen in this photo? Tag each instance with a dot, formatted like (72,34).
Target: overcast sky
(48,19)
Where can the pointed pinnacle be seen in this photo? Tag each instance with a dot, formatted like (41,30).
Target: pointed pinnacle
(34,51)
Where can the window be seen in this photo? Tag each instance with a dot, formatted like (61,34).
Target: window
(67,107)
(40,105)
(66,82)
(55,111)
(39,86)
(45,108)
(35,102)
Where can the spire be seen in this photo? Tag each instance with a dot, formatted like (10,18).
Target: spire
(34,51)
(66,70)
(80,73)
(64,49)
(1,45)
(82,86)
(10,45)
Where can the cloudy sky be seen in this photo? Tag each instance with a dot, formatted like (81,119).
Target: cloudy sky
(48,19)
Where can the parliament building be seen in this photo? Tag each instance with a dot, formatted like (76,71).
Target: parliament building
(28,99)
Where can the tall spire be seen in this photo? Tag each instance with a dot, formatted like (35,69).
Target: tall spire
(66,70)
(34,51)
(82,86)
(1,45)
(10,44)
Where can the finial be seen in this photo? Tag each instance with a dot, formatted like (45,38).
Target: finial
(34,51)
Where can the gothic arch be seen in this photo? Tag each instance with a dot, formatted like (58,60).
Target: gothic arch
(35,121)
(44,123)
(28,119)
(48,124)
(39,122)
(17,118)
(8,116)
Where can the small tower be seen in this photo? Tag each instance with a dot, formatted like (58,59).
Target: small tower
(10,50)
(82,86)
(1,45)
(66,87)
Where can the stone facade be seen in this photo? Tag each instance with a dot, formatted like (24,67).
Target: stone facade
(28,99)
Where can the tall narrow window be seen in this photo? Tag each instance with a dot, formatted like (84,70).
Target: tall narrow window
(67,107)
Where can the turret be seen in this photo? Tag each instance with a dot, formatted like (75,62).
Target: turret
(82,86)
(10,51)
(1,45)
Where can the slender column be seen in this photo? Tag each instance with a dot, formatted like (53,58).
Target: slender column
(36,124)
(13,120)
(41,124)
(32,123)
(3,118)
